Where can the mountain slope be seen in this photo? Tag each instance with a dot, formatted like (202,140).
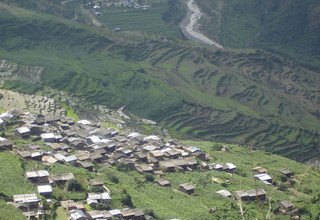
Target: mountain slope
(284,26)
(247,97)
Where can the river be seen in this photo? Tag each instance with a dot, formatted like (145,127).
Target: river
(190,23)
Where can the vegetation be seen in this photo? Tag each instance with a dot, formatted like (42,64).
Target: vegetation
(130,188)
(61,214)
(2,110)
(10,211)
(23,87)
(70,112)
(154,20)
(170,203)
(74,186)
(12,180)
(176,12)
(286,27)
(248,97)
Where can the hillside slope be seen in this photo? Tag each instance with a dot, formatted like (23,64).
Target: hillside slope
(167,202)
(284,26)
(247,97)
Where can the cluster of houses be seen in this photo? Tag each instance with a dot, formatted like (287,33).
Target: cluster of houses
(96,6)
(31,205)
(84,144)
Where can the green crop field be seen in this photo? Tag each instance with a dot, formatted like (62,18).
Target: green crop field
(148,21)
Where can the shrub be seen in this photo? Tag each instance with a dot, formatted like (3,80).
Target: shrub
(102,206)
(241,173)
(113,178)
(216,147)
(150,212)
(149,177)
(74,186)
(127,200)
(97,189)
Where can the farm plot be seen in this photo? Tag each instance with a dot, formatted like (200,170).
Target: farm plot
(149,21)
(33,103)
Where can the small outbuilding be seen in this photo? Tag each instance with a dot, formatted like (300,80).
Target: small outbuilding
(45,190)
(187,188)
(286,172)
(23,132)
(224,193)
(163,182)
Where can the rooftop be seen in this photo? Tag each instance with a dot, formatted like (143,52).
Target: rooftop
(25,198)
(44,189)
(39,173)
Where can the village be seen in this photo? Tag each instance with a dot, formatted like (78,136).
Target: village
(89,145)
(97,6)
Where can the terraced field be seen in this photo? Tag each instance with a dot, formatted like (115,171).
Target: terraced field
(149,21)
(250,98)
(247,97)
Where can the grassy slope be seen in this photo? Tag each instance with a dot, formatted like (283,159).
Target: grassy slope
(12,182)
(9,211)
(170,203)
(224,96)
(12,179)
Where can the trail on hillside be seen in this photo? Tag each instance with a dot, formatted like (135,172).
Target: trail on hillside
(190,23)
(93,20)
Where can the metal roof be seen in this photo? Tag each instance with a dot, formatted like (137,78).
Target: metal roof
(39,173)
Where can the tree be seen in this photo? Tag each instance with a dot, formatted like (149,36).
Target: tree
(74,186)
(113,178)
(149,177)
(127,200)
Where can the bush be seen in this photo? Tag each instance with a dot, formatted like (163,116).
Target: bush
(127,200)
(241,173)
(149,177)
(102,206)
(150,212)
(97,189)
(74,186)
(216,147)
(113,178)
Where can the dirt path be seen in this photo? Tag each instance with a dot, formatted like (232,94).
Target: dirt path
(88,14)
(190,25)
